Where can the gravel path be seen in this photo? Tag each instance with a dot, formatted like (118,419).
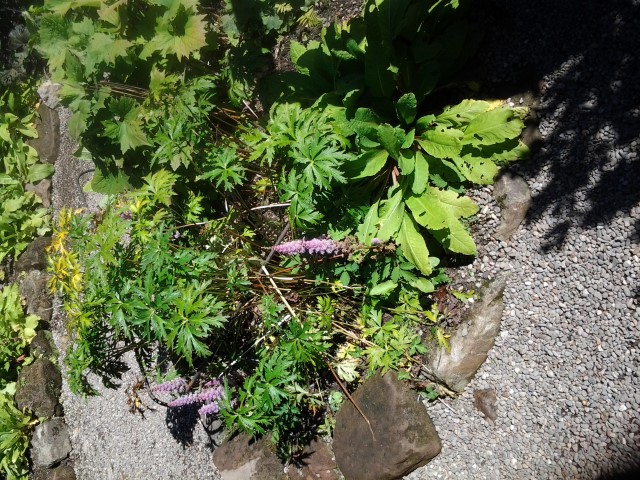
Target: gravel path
(566,364)
(565,367)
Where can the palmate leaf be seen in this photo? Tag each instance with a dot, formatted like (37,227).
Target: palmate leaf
(166,40)
(126,126)
(413,245)
(104,48)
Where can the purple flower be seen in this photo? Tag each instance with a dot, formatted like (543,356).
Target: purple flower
(211,394)
(176,385)
(375,241)
(184,400)
(315,246)
(209,409)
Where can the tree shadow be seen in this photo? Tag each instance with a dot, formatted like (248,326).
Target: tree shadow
(590,112)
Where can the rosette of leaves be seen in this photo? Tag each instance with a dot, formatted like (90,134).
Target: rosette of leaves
(429,161)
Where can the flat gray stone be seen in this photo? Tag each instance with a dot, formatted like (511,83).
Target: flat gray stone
(48,127)
(240,458)
(34,289)
(50,443)
(471,341)
(513,195)
(38,387)
(35,256)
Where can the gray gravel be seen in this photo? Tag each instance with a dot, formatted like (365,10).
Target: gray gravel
(566,364)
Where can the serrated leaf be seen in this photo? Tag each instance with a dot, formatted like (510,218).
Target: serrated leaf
(476,169)
(413,245)
(104,48)
(391,212)
(109,183)
(383,288)
(441,142)
(406,107)
(126,126)
(462,113)
(367,164)
(420,174)
(494,126)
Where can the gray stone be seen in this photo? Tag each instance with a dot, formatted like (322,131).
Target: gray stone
(34,289)
(38,387)
(48,127)
(35,256)
(63,472)
(42,345)
(48,93)
(42,189)
(318,463)
(513,195)
(240,458)
(405,437)
(50,443)
(471,341)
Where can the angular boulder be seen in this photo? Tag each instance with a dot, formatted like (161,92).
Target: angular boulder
(48,127)
(42,345)
(405,437)
(50,443)
(34,289)
(38,387)
(241,458)
(63,472)
(513,195)
(35,256)
(472,339)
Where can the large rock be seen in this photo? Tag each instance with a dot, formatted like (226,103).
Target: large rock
(34,289)
(48,127)
(405,437)
(318,463)
(50,443)
(42,189)
(471,341)
(38,387)
(513,195)
(42,345)
(242,459)
(35,256)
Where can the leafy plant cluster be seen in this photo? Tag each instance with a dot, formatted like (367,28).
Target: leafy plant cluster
(22,217)
(186,260)
(16,332)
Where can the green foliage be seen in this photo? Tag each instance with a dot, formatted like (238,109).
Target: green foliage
(14,439)
(22,217)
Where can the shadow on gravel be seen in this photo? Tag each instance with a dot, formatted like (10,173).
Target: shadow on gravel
(182,422)
(595,102)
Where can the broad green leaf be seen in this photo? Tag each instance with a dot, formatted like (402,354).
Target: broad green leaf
(476,169)
(494,126)
(406,107)
(456,239)
(424,123)
(463,113)
(391,212)
(39,171)
(391,138)
(423,284)
(369,227)
(420,174)
(436,209)
(413,245)
(406,162)
(441,142)
(296,50)
(367,164)
(383,288)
